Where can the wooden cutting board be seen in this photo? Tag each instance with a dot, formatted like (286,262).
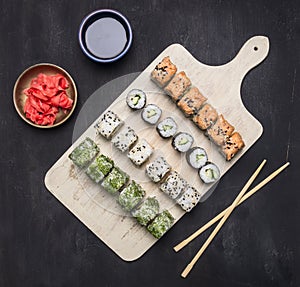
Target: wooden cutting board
(97,209)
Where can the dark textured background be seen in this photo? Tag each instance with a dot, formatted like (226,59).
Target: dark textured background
(43,244)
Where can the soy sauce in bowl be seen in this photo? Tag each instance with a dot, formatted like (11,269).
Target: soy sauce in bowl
(105,35)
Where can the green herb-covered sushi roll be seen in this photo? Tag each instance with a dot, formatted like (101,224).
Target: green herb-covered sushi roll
(161,224)
(136,99)
(115,180)
(131,196)
(84,153)
(99,168)
(108,124)
(146,211)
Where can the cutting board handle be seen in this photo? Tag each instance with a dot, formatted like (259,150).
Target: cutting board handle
(253,52)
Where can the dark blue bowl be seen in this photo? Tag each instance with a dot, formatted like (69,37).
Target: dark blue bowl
(90,20)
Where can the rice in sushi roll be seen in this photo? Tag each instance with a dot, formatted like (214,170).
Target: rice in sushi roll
(115,180)
(167,127)
(182,141)
(125,139)
(99,168)
(209,173)
(136,99)
(196,157)
(151,114)
(161,224)
(146,211)
(157,169)
(189,199)
(140,152)
(174,185)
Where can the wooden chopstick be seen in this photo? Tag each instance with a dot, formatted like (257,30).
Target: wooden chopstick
(186,241)
(189,267)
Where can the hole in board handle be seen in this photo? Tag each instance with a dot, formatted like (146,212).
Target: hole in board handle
(255,48)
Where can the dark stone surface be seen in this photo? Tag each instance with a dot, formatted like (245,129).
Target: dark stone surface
(43,244)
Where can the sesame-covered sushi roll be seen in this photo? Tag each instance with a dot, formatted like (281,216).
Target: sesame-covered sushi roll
(99,168)
(191,101)
(140,152)
(151,114)
(115,180)
(196,157)
(157,169)
(182,142)
(161,224)
(108,124)
(125,139)
(163,72)
(167,127)
(131,196)
(209,173)
(173,185)
(189,198)
(177,86)
(84,153)
(220,131)
(205,117)
(146,211)
(232,145)
(136,99)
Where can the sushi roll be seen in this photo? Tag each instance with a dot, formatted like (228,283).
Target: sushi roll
(163,72)
(177,86)
(115,180)
(167,127)
(151,114)
(146,211)
(99,168)
(196,157)
(191,102)
(161,224)
(189,198)
(232,145)
(157,169)
(84,153)
(174,185)
(205,117)
(131,196)
(136,99)
(182,142)
(209,173)
(220,131)
(140,152)
(125,139)
(108,124)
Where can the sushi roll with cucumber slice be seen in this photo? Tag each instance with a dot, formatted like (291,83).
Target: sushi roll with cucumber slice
(99,168)
(108,124)
(182,141)
(146,211)
(124,139)
(157,169)
(140,152)
(84,153)
(136,99)
(161,224)
(189,198)
(131,196)
(115,180)
(174,185)
(209,173)
(167,127)
(196,157)
(151,114)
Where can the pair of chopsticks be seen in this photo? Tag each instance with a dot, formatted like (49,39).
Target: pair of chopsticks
(225,214)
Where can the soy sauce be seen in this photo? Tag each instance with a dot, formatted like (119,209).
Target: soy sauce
(106,38)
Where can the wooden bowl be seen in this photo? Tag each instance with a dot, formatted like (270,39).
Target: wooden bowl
(23,82)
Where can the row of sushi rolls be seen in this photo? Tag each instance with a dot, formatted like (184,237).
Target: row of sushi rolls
(130,195)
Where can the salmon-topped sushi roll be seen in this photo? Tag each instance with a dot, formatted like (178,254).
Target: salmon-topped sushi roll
(178,85)
(220,131)
(233,144)
(205,117)
(191,101)
(163,72)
